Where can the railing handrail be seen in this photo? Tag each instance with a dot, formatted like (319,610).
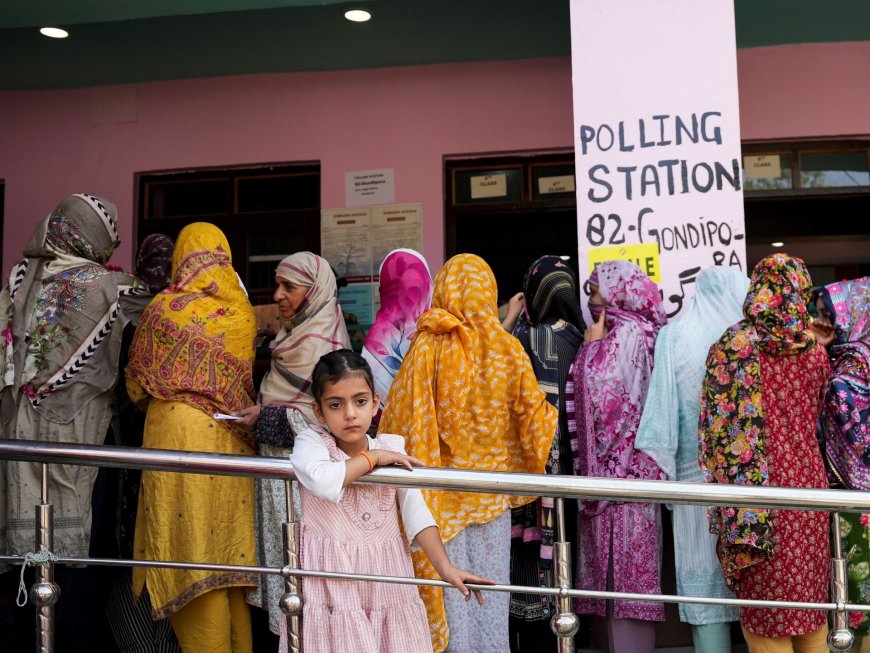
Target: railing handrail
(576,487)
(429,582)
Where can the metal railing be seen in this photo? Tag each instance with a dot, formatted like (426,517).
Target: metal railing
(44,592)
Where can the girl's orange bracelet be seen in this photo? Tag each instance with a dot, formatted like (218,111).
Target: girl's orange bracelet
(368,458)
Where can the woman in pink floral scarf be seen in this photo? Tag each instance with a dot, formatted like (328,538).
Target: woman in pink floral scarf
(406,293)
(619,542)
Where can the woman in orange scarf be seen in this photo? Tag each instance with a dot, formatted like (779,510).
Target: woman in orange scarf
(192,357)
(466,397)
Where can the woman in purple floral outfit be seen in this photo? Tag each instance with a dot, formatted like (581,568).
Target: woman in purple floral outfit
(620,546)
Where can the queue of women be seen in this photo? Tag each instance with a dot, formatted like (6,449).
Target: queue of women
(745,388)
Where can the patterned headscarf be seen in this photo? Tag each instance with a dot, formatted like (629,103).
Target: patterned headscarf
(846,411)
(406,293)
(195,341)
(61,308)
(731,426)
(629,295)
(154,262)
(316,329)
(466,397)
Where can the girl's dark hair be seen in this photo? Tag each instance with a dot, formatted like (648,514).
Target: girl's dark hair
(336,365)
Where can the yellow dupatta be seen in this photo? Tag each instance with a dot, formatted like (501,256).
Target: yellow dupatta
(466,397)
(195,340)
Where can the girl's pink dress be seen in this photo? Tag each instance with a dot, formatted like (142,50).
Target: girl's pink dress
(360,534)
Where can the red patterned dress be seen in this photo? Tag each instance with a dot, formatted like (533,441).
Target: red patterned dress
(792,388)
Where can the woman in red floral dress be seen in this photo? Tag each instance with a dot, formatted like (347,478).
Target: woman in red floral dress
(762,393)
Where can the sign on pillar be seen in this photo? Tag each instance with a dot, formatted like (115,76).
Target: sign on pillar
(657,139)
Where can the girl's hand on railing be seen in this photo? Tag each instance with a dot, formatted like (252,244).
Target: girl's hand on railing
(458,577)
(383,457)
(249,416)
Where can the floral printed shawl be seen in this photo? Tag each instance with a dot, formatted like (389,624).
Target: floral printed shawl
(195,341)
(466,397)
(846,411)
(316,329)
(406,293)
(731,425)
(611,378)
(61,310)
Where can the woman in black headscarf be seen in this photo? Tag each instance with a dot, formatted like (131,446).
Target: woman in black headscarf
(550,328)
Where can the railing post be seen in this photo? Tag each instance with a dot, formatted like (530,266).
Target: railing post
(45,591)
(291,600)
(564,623)
(840,638)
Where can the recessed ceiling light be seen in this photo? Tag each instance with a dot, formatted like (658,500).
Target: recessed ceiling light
(357,15)
(777,244)
(54,32)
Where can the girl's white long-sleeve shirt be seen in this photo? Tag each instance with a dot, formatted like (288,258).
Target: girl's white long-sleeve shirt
(324,478)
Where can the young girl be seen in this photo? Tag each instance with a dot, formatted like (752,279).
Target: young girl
(355,528)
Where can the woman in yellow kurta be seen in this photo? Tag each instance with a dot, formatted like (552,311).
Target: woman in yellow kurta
(192,357)
(466,397)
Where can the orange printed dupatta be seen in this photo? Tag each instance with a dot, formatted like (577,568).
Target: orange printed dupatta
(466,397)
(195,340)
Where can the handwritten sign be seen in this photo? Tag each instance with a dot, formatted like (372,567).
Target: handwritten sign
(656,134)
(645,256)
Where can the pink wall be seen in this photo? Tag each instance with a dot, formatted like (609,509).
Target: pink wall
(807,91)
(402,118)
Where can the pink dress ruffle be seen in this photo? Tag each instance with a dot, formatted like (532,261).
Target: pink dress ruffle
(361,534)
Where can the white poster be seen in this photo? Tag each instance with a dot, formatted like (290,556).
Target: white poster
(656,134)
(355,241)
(345,242)
(394,227)
(366,187)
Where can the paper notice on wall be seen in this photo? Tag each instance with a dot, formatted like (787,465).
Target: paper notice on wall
(345,237)
(656,133)
(355,241)
(366,187)
(395,227)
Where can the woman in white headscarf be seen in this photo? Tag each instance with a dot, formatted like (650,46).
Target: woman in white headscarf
(668,433)
(311,325)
